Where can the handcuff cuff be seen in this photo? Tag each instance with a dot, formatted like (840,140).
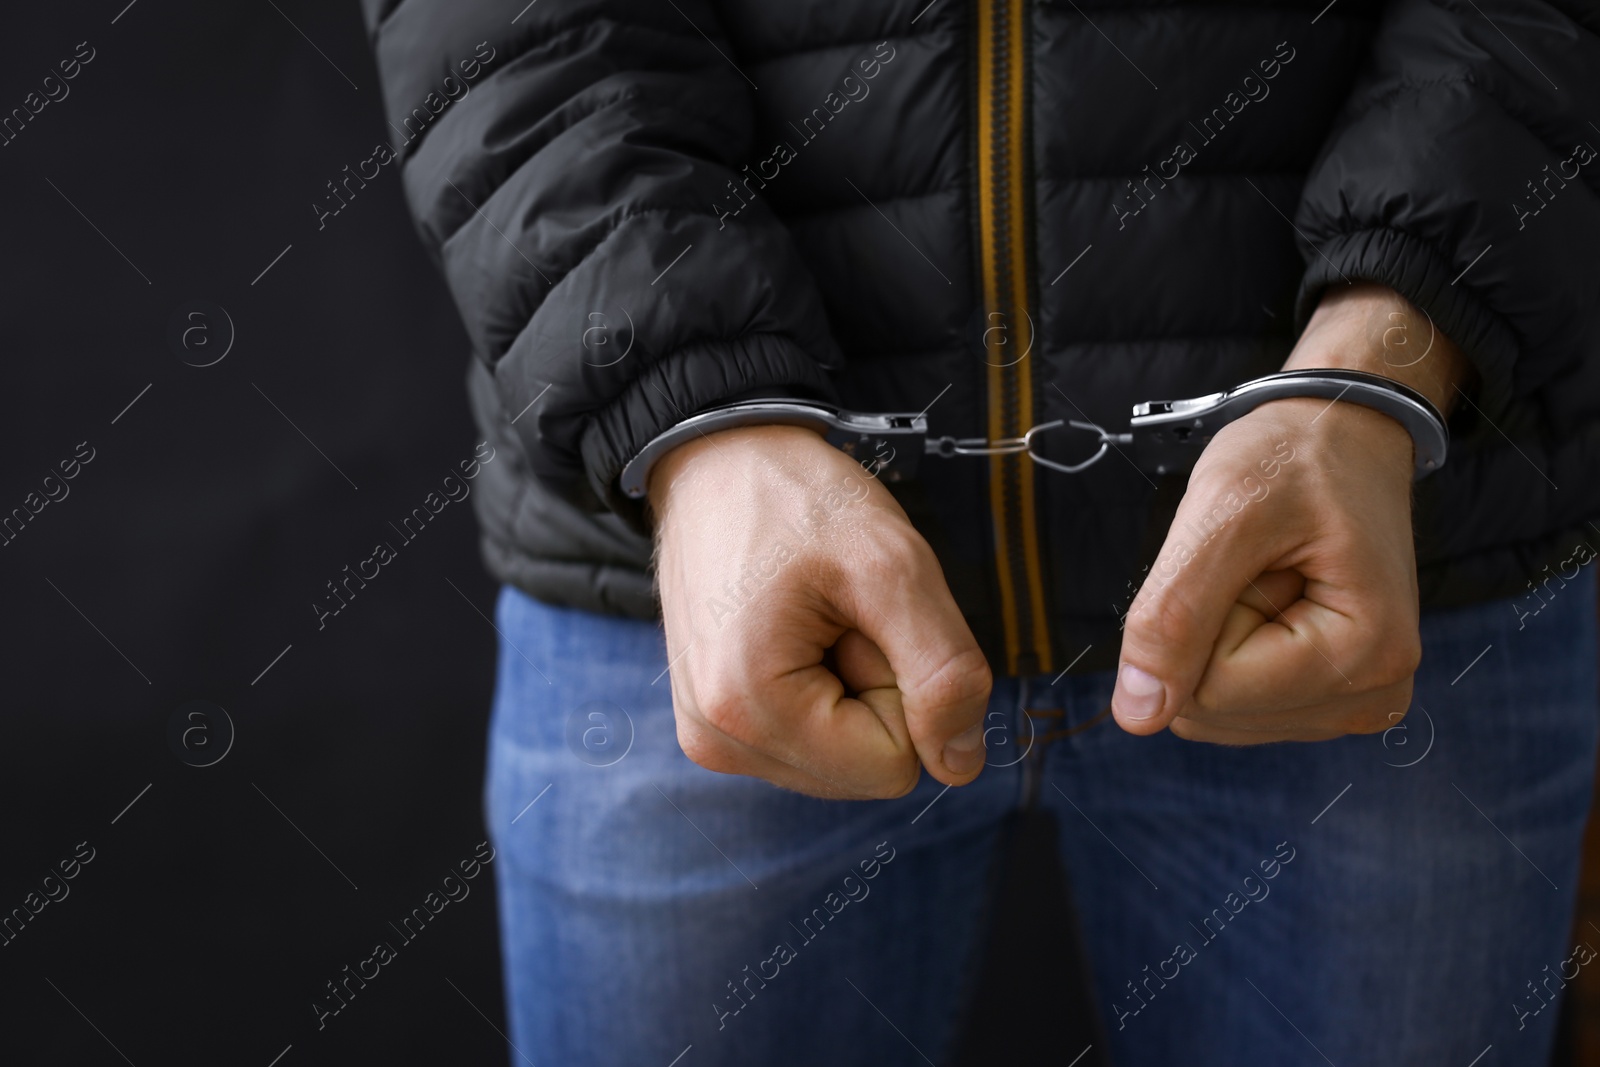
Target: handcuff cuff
(1163,436)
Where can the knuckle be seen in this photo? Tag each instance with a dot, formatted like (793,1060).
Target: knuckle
(1384,714)
(1164,621)
(898,554)
(1369,723)
(1409,656)
(1392,658)
(1205,707)
(1185,729)
(728,713)
(898,785)
(963,679)
(705,749)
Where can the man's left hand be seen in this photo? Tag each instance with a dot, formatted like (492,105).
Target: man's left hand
(1283,605)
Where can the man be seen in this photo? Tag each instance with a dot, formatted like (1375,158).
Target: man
(1003,214)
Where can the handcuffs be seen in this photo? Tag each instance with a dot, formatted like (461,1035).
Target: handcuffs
(1163,436)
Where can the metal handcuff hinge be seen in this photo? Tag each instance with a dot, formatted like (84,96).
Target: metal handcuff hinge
(1163,436)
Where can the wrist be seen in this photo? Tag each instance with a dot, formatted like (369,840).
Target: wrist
(730,446)
(1349,434)
(1372,328)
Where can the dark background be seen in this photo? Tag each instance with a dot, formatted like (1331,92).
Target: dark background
(193,545)
(183,563)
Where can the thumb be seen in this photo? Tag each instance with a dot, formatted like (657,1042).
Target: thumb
(1175,621)
(906,610)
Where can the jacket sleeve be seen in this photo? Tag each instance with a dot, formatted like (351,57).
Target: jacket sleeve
(1463,173)
(578,191)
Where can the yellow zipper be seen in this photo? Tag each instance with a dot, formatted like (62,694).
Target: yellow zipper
(1003,216)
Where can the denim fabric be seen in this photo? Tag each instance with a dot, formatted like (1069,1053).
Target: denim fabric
(1403,898)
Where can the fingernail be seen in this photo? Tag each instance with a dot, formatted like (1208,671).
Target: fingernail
(1138,695)
(964,754)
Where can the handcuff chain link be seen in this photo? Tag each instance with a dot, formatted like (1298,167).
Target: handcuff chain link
(1011,446)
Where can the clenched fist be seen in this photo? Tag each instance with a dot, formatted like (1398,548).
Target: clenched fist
(1283,606)
(812,639)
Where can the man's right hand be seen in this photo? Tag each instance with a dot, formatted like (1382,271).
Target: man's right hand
(812,639)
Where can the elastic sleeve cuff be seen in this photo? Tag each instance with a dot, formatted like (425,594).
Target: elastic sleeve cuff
(1411,267)
(691,379)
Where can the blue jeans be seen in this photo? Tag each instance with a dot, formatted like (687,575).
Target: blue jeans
(1403,898)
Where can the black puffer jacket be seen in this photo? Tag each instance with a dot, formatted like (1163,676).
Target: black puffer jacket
(1013,211)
